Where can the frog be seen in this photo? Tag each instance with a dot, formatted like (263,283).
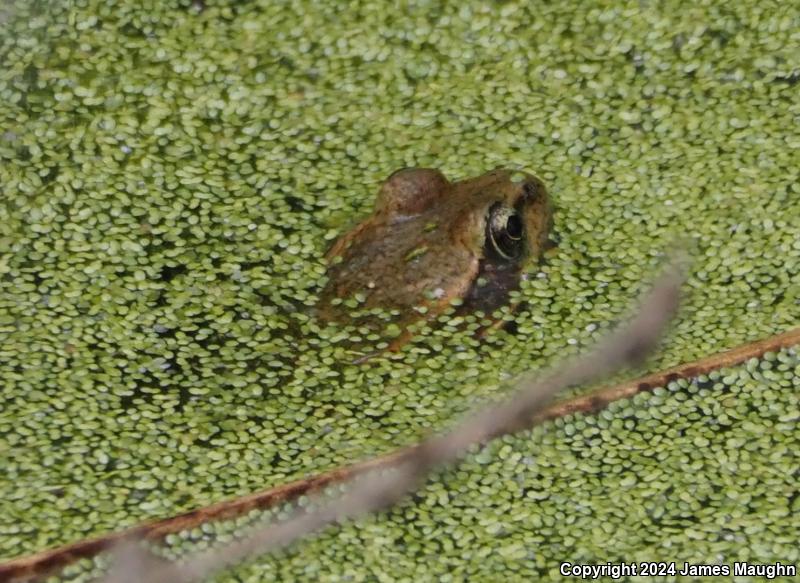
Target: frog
(430,244)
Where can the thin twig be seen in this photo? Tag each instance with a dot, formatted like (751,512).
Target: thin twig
(376,491)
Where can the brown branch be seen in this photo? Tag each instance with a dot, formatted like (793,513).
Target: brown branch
(601,398)
(379,490)
(51,560)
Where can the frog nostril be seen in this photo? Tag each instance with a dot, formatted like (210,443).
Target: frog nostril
(532,189)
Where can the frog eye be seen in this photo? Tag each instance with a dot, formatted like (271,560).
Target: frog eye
(505,232)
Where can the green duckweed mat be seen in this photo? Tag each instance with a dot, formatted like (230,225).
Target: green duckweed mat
(700,472)
(172,172)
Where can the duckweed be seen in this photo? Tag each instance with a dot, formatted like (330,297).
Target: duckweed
(664,489)
(173,172)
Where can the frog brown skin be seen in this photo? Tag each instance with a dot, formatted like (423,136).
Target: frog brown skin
(430,241)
